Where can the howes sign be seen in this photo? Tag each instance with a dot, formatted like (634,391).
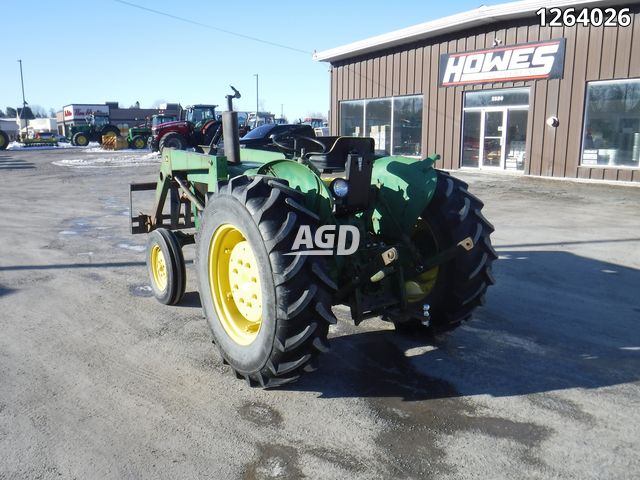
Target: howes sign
(529,61)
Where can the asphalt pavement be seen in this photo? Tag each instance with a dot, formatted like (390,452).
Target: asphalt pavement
(98,380)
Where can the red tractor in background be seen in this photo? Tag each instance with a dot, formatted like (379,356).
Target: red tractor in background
(199,126)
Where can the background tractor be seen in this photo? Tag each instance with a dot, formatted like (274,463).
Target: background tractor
(138,136)
(267,269)
(4,140)
(97,125)
(199,126)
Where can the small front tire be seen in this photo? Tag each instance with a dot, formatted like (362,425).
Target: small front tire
(138,142)
(4,140)
(165,263)
(80,139)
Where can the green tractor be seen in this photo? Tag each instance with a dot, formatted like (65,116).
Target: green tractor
(138,137)
(277,246)
(97,125)
(4,140)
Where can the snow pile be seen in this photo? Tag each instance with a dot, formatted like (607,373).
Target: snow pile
(21,146)
(110,161)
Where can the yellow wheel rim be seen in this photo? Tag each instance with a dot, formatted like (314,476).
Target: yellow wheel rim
(82,140)
(139,143)
(159,268)
(234,280)
(1,141)
(419,287)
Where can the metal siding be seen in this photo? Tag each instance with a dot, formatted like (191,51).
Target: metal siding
(441,113)
(611,174)
(402,73)
(375,77)
(595,53)
(388,85)
(426,89)
(433,98)
(609,47)
(634,66)
(625,175)
(411,68)
(623,51)
(550,133)
(564,105)
(349,77)
(417,81)
(575,118)
(333,106)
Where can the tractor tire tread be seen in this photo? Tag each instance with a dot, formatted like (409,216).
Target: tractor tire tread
(302,284)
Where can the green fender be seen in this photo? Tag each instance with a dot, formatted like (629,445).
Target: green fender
(306,179)
(405,187)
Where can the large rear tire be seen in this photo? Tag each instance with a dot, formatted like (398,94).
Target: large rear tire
(452,290)
(172,140)
(4,140)
(108,131)
(270,324)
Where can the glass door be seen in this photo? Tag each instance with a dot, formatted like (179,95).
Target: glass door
(515,140)
(493,131)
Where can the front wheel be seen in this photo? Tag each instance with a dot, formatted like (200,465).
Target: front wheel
(138,142)
(80,139)
(4,140)
(165,263)
(269,312)
(451,291)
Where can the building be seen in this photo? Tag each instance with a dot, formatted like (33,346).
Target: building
(123,118)
(492,88)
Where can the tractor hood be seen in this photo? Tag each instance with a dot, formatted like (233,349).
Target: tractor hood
(171,124)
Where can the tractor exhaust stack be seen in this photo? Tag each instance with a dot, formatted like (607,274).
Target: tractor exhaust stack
(230,131)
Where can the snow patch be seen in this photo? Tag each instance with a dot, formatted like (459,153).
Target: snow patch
(111,161)
(135,248)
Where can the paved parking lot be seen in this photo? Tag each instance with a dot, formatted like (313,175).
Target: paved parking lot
(98,380)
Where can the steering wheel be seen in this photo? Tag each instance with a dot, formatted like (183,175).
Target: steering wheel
(277,141)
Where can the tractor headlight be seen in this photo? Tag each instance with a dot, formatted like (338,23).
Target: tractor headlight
(339,187)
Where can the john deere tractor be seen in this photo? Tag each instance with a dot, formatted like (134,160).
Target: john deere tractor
(138,136)
(97,125)
(277,246)
(4,140)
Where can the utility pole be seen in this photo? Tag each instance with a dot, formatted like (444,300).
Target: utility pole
(24,102)
(257,103)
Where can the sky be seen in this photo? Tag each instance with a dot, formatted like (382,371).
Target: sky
(95,51)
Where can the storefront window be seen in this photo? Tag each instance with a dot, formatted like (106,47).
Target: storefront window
(394,123)
(611,134)
(352,118)
(407,125)
(377,120)
(471,139)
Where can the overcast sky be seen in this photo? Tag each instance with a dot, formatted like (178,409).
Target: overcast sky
(95,51)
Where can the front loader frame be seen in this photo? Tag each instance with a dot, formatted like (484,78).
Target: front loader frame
(186,177)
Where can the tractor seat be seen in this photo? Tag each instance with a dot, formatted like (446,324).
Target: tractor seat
(336,158)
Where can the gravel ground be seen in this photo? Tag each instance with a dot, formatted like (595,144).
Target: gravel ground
(98,380)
